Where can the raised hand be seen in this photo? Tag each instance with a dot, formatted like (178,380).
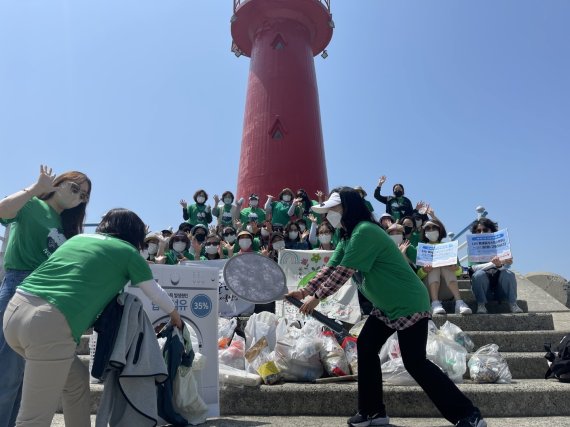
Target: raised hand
(45,181)
(382,180)
(319,195)
(216,198)
(312,218)
(264,251)
(404,246)
(183,203)
(238,224)
(304,235)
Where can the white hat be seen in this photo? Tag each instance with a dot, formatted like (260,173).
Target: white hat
(334,200)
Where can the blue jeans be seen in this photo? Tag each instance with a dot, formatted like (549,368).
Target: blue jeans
(506,289)
(11,363)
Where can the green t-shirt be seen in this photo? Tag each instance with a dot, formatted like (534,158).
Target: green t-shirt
(279,212)
(389,282)
(244,215)
(224,214)
(84,275)
(199,214)
(35,234)
(369,205)
(415,238)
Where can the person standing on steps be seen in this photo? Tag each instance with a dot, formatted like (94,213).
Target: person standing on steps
(401,303)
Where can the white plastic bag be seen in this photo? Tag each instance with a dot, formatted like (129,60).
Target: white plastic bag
(230,376)
(454,333)
(488,366)
(333,357)
(233,355)
(448,355)
(226,328)
(394,373)
(391,349)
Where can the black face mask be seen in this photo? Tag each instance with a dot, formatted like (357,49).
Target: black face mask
(200,237)
(398,193)
(408,230)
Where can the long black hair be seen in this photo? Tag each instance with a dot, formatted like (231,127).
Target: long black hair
(354,210)
(125,225)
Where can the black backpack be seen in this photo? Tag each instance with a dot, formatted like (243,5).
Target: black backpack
(559,360)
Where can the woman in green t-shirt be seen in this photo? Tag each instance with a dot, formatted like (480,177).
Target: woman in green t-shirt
(41,217)
(401,304)
(60,300)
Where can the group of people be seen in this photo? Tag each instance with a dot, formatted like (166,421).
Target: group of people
(58,280)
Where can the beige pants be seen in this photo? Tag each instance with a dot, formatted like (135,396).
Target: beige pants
(40,333)
(443,275)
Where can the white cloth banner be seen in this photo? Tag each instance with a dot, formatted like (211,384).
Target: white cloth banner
(485,246)
(437,255)
(299,267)
(229,305)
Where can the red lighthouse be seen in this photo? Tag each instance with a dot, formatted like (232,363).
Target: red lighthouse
(282,141)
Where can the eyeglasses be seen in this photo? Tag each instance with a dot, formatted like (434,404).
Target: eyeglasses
(212,244)
(482,230)
(76,189)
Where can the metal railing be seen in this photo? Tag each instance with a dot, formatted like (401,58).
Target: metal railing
(481,213)
(326,3)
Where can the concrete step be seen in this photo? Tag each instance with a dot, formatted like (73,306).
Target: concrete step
(493,307)
(521,365)
(499,322)
(293,420)
(517,341)
(521,398)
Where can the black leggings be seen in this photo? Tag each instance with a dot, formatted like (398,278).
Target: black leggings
(448,399)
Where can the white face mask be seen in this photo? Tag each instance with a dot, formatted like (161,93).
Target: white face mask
(249,228)
(264,232)
(211,250)
(432,236)
(397,238)
(152,248)
(231,238)
(228,200)
(253,203)
(286,198)
(334,218)
(245,243)
(325,238)
(279,245)
(200,199)
(179,246)
(293,235)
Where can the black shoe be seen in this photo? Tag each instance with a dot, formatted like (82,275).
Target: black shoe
(363,420)
(474,420)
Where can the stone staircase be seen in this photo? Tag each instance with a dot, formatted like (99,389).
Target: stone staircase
(520,338)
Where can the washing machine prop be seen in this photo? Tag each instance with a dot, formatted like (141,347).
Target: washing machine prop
(194,290)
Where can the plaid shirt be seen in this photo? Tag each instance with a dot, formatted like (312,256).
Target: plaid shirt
(400,323)
(328,280)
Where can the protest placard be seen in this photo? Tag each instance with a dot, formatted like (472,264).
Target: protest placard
(485,246)
(437,255)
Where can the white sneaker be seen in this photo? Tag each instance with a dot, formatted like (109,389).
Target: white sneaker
(515,308)
(461,307)
(437,308)
(481,309)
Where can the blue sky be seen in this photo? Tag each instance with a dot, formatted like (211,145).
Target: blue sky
(466,103)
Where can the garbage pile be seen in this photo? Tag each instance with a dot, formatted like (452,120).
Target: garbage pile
(272,350)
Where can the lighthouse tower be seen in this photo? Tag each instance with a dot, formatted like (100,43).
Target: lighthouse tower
(282,141)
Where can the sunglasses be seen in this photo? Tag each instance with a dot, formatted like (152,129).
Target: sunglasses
(228,234)
(431,228)
(76,189)
(212,244)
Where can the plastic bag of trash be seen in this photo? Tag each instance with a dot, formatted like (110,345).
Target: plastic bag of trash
(260,359)
(261,325)
(349,347)
(226,328)
(230,376)
(391,349)
(454,333)
(488,366)
(234,354)
(448,355)
(297,354)
(333,357)
(394,373)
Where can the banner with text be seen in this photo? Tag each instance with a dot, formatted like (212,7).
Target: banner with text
(437,255)
(484,247)
(300,267)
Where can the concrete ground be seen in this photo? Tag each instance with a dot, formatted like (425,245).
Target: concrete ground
(246,421)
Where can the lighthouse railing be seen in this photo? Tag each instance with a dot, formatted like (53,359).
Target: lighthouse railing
(326,3)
